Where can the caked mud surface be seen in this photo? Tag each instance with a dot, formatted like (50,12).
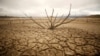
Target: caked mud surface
(25,40)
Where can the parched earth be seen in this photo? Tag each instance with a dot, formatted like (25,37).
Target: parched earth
(28,40)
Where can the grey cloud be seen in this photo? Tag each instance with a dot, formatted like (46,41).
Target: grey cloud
(36,7)
(19,4)
(75,3)
(93,8)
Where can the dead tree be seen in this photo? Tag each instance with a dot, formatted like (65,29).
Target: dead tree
(53,22)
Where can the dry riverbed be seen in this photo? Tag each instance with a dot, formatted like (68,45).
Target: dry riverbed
(24,38)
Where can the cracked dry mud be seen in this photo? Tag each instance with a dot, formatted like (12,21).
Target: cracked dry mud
(23,40)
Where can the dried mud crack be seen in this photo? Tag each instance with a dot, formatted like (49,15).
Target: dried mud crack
(21,40)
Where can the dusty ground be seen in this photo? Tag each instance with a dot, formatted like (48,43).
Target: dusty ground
(24,38)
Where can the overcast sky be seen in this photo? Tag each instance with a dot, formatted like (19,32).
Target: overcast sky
(37,7)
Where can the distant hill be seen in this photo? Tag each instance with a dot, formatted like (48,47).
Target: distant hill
(85,16)
(89,16)
(11,17)
(5,16)
(94,16)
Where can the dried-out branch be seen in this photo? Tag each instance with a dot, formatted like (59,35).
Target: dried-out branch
(34,21)
(64,18)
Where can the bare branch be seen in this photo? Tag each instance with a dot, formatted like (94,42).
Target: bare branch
(34,21)
(47,15)
(68,21)
(52,14)
(44,23)
(64,18)
(55,19)
(60,19)
(52,18)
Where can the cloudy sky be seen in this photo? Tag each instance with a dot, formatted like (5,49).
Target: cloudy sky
(37,7)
